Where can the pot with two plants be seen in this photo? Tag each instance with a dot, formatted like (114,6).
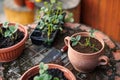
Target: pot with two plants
(48,72)
(12,41)
(86,51)
(51,19)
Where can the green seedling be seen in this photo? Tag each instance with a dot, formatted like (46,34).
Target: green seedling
(52,18)
(9,30)
(76,40)
(43,73)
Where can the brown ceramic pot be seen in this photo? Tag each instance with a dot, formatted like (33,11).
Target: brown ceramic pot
(34,70)
(86,62)
(19,2)
(12,52)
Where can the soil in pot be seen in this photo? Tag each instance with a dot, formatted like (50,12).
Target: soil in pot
(55,73)
(87,49)
(7,42)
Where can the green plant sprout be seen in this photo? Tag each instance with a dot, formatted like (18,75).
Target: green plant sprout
(52,18)
(76,40)
(43,73)
(9,30)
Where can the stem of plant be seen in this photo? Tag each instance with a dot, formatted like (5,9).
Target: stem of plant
(94,48)
(1,31)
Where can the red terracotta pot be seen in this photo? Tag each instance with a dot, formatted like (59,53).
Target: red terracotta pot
(86,62)
(30,4)
(12,52)
(19,2)
(34,70)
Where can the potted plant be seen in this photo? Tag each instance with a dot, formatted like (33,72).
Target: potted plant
(12,41)
(51,20)
(86,51)
(48,72)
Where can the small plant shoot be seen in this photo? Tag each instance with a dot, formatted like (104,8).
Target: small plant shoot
(53,17)
(43,73)
(76,40)
(9,30)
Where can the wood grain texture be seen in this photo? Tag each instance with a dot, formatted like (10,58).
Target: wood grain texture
(103,15)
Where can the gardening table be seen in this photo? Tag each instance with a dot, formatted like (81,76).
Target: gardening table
(33,55)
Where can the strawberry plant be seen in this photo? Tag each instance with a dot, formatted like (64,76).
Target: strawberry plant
(76,40)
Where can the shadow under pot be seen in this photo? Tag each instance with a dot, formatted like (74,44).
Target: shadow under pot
(39,38)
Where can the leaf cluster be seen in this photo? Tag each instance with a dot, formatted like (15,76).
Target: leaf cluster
(43,73)
(53,17)
(9,30)
(76,40)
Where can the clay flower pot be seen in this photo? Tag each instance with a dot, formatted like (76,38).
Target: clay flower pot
(12,52)
(19,2)
(86,62)
(30,4)
(35,70)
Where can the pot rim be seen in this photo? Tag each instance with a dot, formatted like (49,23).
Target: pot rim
(51,65)
(19,43)
(86,34)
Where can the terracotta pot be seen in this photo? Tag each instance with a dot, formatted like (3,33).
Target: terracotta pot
(19,2)
(34,70)
(12,52)
(30,4)
(86,62)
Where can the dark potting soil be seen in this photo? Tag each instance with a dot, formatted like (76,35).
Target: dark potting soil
(7,42)
(54,73)
(87,49)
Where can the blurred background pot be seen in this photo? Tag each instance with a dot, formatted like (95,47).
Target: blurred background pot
(20,2)
(30,4)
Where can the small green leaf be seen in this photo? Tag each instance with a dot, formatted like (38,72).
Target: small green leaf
(52,1)
(59,4)
(50,77)
(47,77)
(60,28)
(13,29)
(5,24)
(45,67)
(92,32)
(60,17)
(7,33)
(1,31)
(71,20)
(41,65)
(41,77)
(46,4)
(46,10)
(43,8)
(41,71)
(70,14)
(78,37)
(36,78)
(73,39)
(74,43)
(56,78)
